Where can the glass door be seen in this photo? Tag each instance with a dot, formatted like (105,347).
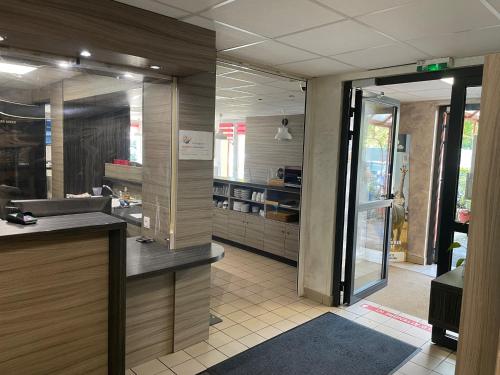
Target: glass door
(370,197)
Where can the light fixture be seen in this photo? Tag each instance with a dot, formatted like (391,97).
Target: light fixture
(449,80)
(85,53)
(283,133)
(16,68)
(128,75)
(220,134)
(155,67)
(64,64)
(2,38)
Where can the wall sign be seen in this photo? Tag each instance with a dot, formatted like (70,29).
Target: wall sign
(195,145)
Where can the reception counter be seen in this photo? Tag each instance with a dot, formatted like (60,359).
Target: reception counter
(77,297)
(62,288)
(168,298)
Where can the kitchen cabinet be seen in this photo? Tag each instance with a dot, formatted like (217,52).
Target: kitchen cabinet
(274,237)
(254,231)
(219,223)
(236,224)
(291,242)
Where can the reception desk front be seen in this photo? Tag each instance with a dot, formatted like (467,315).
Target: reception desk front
(62,289)
(77,297)
(168,298)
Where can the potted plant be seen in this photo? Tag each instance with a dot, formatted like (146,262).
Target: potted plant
(461,261)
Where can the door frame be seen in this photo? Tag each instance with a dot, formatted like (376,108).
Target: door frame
(461,75)
(386,204)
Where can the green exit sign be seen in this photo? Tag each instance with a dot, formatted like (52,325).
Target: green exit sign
(435,65)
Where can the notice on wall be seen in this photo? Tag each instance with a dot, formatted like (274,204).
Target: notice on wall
(195,145)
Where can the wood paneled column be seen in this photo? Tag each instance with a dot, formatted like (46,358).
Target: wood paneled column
(478,346)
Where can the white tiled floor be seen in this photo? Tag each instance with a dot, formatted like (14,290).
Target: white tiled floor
(257,300)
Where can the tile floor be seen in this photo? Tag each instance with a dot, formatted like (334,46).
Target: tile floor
(256,298)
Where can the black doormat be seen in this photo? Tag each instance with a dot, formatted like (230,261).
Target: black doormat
(329,344)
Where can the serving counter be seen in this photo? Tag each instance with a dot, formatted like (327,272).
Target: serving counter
(168,298)
(76,296)
(62,294)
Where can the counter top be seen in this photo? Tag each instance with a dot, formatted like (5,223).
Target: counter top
(61,223)
(453,278)
(124,213)
(147,260)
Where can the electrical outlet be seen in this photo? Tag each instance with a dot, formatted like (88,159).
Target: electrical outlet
(147,222)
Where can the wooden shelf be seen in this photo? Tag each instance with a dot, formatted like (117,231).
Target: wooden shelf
(247,200)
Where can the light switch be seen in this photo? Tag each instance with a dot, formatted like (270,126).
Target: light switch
(147,222)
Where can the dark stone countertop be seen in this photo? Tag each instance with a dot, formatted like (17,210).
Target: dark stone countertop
(62,223)
(125,212)
(453,279)
(148,260)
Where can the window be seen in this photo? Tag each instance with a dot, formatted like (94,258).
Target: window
(230,151)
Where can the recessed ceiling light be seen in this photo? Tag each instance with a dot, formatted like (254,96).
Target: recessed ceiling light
(448,80)
(16,68)
(2,38)
(128,75)
(64,64)
(155,67)
(85,53)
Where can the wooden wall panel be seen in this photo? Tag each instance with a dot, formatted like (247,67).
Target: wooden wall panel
(156,134)
(150,319)
(192,306)
(195,177)
(263,153)
(114,32)
(54,305)
(478,343)
(56,113)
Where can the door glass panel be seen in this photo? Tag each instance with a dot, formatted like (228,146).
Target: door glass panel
(459,252)
(370,247)
(374,156)
(468,154)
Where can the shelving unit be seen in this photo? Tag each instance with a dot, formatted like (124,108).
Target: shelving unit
(263,233)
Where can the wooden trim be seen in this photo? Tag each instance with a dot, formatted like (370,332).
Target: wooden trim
(480,317)
(115,33)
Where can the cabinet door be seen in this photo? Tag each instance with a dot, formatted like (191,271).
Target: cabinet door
(292,242)
(254,232)
(219,223)
(274,237)
(236,227)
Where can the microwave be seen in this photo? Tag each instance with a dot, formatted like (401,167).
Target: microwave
(293,177)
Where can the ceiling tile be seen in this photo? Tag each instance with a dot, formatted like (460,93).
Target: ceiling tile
(263,89)
(337,38)
(495,4)
(316,67)
(288,84)
(273,18)
(252,77)
(224,70)
(468,43)
(433,94)
(226,37)
(228,83)
(228,93)
(359,7)
(268,53)
(381,57)
(436,84)
(156,7)
(191,5)
(431,17)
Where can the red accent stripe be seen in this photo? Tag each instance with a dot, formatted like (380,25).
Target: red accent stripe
(411,322)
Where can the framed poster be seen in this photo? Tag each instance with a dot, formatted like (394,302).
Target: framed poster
(195,145)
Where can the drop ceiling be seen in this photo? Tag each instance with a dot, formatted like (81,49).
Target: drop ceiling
(244,93)
(320,37)
(423,91)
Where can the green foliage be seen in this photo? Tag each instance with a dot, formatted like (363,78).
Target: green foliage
(468,135)
(460,262)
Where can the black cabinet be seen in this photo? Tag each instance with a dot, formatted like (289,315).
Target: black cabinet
(445,306)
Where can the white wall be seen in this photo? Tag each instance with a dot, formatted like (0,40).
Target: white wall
(321,151)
